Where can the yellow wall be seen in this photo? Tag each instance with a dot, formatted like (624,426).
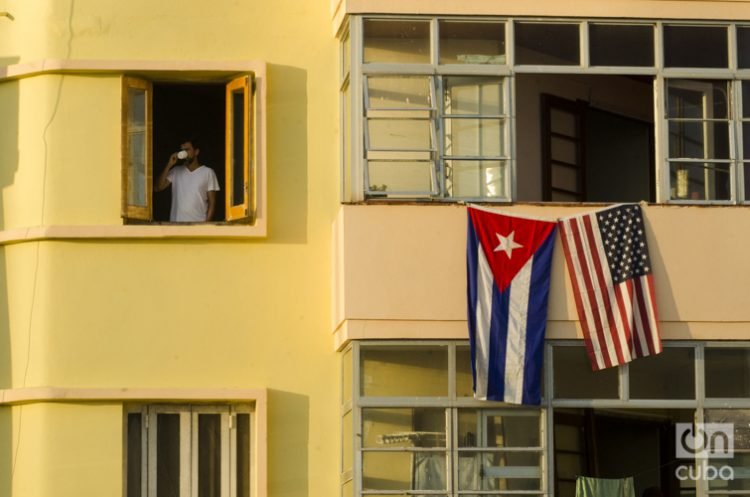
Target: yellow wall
(186,313)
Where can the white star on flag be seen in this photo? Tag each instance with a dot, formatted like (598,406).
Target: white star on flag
(507,244)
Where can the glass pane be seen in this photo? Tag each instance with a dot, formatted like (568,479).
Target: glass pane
(568,465)
(475,96)
(746,167)
(238,148)
(743,47)
(563,123)
(669,375)
(136,108)
(346,366)
(137,187)
(499,471)
(484,428)
(574,378)
(396,41)
(746,99)
(464,380)
(168,455)
(403,427)
(695,46)
(621,45)
(474,137)
(347,439)
(476,178)
(398,92)
(699,181)
(135,459)
(404,371)
(243,455)
(564,150)
(697,99)
(403,471)
(137,168)
(346,54)
(472,42)
(399,134)
(209,455)
(727,372)
(568,438)
(567,178)
(729,468)
(698,140)
(547,44)
(400,176)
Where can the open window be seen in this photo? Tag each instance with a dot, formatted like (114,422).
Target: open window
(158,115)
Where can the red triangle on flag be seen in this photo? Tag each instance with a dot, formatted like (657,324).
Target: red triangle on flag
(508,242)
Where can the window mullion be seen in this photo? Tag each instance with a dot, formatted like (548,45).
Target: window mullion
(188,453)
(153,432)
(226,459)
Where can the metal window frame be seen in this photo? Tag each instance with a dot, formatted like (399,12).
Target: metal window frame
(546,410)
(510,69)
(451,404)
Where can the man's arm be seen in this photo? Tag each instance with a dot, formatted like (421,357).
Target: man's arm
(211,205)
(162,183)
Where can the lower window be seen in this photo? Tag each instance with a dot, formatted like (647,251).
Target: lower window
(188,451)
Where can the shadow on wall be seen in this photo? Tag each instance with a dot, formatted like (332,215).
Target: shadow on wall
(9,157)
(287,154)
(288,439)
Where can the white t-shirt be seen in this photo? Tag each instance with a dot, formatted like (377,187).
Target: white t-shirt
(190,193)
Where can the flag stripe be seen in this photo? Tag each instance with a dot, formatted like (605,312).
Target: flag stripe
(515,355)
(604,289)
(608,264)
(483,320)
(582,304)
(653,315)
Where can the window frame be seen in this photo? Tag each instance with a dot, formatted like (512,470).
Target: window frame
(250,209)
(239,212)
(128,210)
(353,402)
(189,465)
(354,165)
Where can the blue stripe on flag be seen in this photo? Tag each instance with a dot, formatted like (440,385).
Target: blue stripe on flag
(537,320)
(498,343)
(472,243)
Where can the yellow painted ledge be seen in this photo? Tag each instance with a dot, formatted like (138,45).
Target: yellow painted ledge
(14,396)
(141,231)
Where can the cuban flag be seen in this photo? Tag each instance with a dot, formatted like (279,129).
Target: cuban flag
(508,272)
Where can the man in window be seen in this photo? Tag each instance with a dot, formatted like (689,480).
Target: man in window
(194,186)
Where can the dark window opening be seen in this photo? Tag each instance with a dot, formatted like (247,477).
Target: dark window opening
(585,138)
(620,443)
(189,110)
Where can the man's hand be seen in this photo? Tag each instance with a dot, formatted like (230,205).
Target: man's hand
(163,182)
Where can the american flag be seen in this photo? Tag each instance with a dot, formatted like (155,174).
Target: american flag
(607,258)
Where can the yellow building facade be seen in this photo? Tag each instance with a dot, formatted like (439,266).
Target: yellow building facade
(311,339)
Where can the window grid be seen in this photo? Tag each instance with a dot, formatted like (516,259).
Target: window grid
(732,168)
(453,405)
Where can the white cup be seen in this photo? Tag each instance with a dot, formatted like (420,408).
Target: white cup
(182,155)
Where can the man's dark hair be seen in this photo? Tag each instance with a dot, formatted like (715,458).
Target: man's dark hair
(193,141)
